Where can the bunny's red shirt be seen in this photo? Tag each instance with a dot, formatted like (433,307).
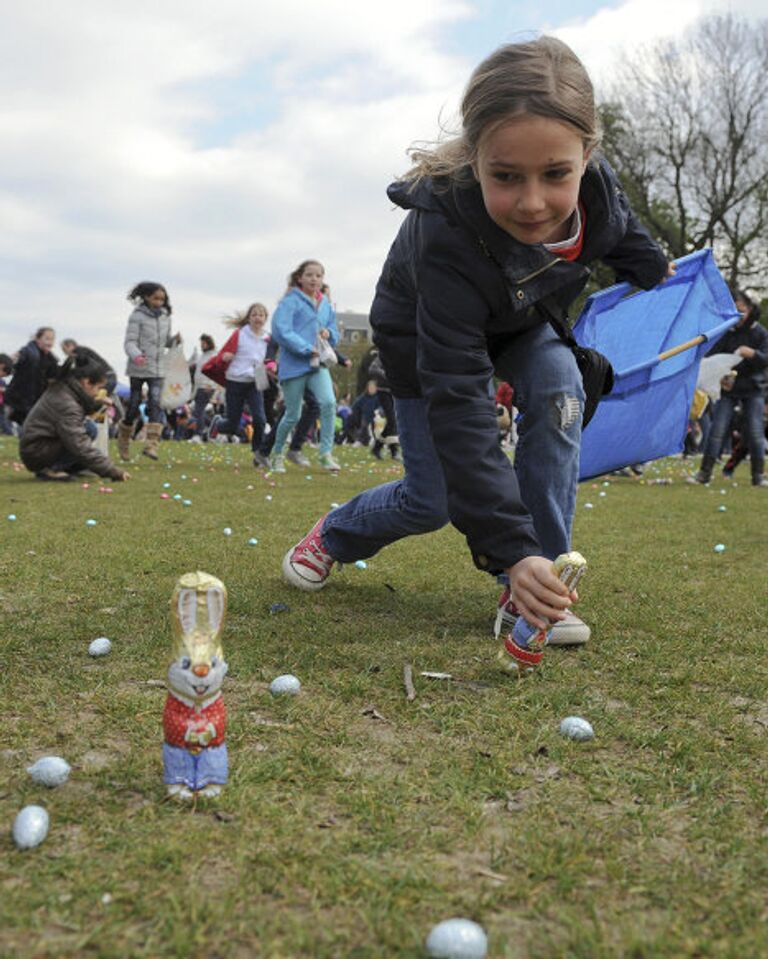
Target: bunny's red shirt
(179,718)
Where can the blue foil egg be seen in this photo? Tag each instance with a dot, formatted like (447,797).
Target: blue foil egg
(457,939)
(50,771)
(286,685)
(30,827)
(576,728)
(100,647)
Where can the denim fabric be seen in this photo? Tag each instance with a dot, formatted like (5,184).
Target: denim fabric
(548,391)
(321,385)
(202,398)
(753,423)
(405,507)
(237,396)
(154,389)
(548,388)
(195,771)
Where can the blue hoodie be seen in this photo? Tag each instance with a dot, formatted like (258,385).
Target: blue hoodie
(295,326)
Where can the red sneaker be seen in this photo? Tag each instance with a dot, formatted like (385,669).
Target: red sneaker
(308,565)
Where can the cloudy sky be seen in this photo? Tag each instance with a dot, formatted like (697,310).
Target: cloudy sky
(212,146)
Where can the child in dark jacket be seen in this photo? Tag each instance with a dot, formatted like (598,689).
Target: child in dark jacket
(502,222)
(54,443)
(750,340)
(34,367)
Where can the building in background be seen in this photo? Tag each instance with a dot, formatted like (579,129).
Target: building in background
(353,327)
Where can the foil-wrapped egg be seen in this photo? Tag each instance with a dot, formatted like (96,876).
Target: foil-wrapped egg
(30,827)
(574,727)
(457,939)
(50,771)
(286,685)
(100,646)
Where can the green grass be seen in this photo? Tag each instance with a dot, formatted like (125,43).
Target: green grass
(342,835)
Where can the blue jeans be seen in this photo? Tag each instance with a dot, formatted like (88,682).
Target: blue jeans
(548,390)
(202,399)
(321,385)
(154,389)
(237,395)
(753,424)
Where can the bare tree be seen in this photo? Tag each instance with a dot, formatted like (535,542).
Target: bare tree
(686,126)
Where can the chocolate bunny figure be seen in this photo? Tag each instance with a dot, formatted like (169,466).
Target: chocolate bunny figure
(194,720)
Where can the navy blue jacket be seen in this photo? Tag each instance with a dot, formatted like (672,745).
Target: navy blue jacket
(454,291)
(751,376)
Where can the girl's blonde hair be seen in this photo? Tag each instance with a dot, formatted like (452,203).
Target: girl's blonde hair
(542,77)
(239,320)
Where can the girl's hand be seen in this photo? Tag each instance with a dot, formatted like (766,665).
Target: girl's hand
(537,592)
(324,333)
(140,360)
(671,270)
(746,351)
(227,357)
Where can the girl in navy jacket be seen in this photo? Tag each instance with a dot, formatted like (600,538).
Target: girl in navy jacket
(502,222)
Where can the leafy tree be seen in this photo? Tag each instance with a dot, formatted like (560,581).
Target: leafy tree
(686,128)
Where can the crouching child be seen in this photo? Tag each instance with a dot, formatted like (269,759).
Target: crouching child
(54,444)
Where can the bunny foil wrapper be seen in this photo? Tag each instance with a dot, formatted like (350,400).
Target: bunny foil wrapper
(194,720)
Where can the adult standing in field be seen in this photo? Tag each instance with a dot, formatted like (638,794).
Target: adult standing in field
(503,221)
(203,387)
(750,340)
(147,338)
(35,365)
(241,367)
(304,318)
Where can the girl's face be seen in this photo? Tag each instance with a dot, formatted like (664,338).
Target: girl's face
(156,300)
(741,306)
(529,169)
(91,387)
(257,317)
(311,279)
(46,340)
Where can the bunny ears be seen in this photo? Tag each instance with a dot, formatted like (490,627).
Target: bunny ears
(198,607)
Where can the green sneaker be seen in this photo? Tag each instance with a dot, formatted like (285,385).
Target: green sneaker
(278,463)
(329,463)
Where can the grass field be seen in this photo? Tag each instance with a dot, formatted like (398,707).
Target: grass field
(354,820)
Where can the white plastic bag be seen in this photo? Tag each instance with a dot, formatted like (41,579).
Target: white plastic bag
(713,369)
(177,386)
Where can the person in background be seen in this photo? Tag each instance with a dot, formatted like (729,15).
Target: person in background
(6,365)
(750,340)
(302,319)
(241,367)
(147,338)
(35,365)
(203,387)
(54,444)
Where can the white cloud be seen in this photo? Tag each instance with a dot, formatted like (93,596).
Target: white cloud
(108,175)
